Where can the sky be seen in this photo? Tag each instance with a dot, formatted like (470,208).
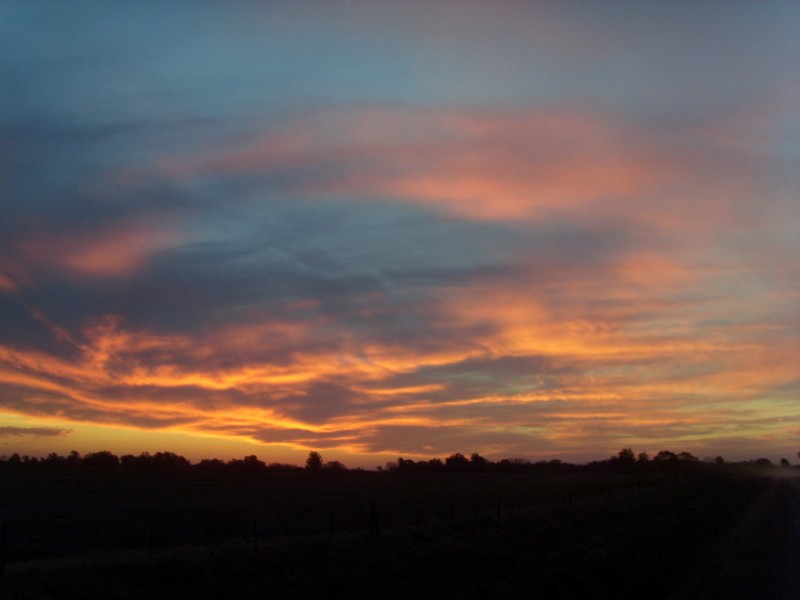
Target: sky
(378,229)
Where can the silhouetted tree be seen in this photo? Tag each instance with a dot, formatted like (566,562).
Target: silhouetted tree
(252,464)
(785,462)
(511,465)
(477,462)
(162,461)
(54,460)
(210,464)
(335,465)
(102,459)
(665,460)
(625,459)
(128,461)
(665,456)
(74,458)
(456,462)
(314,461)
(283,467)
(249,464)
(435,464)
(553,466)
(626,455)
(169,461)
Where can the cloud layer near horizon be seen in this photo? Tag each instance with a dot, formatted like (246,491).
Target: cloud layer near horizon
(341,255)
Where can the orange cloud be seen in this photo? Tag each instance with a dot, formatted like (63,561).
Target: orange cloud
(639,342)
(633,362)
(7,285)
(481,164)
(114,253)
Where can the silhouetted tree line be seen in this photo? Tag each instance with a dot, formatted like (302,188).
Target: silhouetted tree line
(624,461)
(160,461)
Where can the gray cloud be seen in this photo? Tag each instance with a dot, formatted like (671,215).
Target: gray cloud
(444,440)
(6,431)
(479,377)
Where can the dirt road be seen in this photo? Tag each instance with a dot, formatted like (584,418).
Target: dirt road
(759,558)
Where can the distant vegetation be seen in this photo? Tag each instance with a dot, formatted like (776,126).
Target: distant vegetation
(624,461)
(157,526)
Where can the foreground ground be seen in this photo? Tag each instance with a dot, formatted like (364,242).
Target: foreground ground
(704,534)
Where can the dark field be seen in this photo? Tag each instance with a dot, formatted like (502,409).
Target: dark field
(709,533)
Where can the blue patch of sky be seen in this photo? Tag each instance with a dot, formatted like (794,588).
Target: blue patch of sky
(132,62)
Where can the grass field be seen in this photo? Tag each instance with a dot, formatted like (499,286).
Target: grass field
(441,535)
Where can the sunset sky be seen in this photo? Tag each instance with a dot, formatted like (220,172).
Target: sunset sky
(378,229)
